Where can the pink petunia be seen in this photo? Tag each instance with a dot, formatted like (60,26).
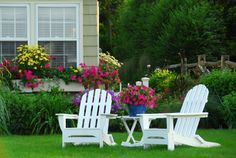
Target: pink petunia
(46,65)
(60,68)
(73,77)
(28,74)
(28,84)
(79,80)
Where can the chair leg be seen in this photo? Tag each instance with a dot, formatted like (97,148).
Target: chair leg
(101,144)
(145,146)
(171,145)
(101,139)
(170,134)
(63,144)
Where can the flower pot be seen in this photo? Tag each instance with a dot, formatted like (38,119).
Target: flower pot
(133,110)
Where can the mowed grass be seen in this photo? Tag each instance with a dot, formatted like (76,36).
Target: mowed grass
(49,146)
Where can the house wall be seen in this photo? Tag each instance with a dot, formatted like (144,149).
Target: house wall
(90,31)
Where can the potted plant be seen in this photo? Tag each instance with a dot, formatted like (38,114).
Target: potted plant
(137,99)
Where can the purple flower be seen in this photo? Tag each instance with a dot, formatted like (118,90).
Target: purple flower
(77,100)
(115,101)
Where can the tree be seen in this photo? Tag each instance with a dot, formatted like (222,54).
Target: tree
(154,31)
(108,16)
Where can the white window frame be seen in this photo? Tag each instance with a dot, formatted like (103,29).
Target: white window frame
(28,24)
(13,39)
(79,26)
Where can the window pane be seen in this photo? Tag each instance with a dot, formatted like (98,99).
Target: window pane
(62,52)
(8,49)
(57,22)
(44,14)
(20,15)
(57,14)
(70,15)
(57,30)
(44,30)
(8,29)
(21,30)
(70,30)
(14,22)
(7,14)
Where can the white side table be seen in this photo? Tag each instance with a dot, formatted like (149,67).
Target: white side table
(130,142)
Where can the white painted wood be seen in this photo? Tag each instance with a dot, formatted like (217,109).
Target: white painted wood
(184,131)
(48,84)
(131,141)
(145,81)
(93,118)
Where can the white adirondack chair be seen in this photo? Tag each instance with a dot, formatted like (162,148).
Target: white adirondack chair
(184,131)
(93,120)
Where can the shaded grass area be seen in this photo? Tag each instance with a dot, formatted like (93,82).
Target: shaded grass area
(49,146)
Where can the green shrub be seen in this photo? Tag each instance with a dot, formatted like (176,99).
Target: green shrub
(35,113)
(229,109)
(162,80)
(45,121)
(215,117)
(21,111)
(221,82)
(4,117)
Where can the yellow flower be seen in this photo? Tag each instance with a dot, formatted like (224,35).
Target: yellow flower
(76,71)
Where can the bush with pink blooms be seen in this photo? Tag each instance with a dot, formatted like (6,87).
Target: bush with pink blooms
(136,95)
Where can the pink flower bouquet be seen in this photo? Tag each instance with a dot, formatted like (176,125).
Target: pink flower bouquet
(138,95)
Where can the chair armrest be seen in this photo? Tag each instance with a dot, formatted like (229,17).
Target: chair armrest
(67,116)
(109,116)
(174,115)
(62,119)
(187,115)
(147,118)
(153,116)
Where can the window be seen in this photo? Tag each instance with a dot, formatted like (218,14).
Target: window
(57,32)
(53,26)
(13,30)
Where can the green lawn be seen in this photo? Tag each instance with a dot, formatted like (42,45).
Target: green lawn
(50,147)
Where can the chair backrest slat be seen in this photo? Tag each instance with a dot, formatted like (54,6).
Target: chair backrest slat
(194,102)
(94,103)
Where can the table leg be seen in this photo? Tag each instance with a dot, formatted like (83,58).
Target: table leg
(128,143)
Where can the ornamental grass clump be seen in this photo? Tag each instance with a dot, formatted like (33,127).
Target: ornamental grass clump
(138,95)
